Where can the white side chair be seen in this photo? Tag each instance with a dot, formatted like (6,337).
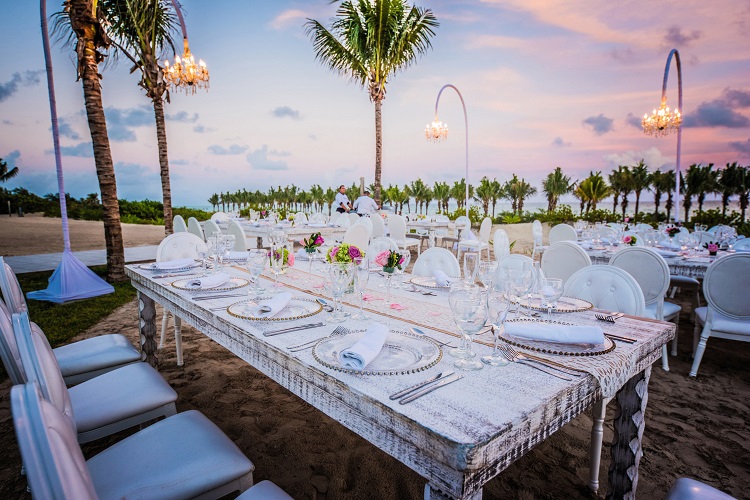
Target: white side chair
(537,235)
(220,217)
(78,361)
(378,245)
(378,226)
(195,227)
(500,244)
(177,246)
(483,243)
(612,289)
(562,232)
(210,228)
(727,315)
(343,221)
(434,259)
(353,218)
(639,228)
(300,218)
(512,261)
(397,227)
(158,459)
(742,245)
(102,406)
(240,243)
(561,260)
(367,222)
(178,224)
(357,235)
(651,272)
(460,226)
(690,489)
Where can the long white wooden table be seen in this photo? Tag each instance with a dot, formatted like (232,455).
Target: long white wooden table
(692,267)
(457,437)
(295,232)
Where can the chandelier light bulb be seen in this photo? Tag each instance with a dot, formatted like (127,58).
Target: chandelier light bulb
(436,131)
(662,121)
(184,74)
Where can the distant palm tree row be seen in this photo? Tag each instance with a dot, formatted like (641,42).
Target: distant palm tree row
(696,183)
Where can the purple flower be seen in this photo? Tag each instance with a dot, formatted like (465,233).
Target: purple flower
(354,252)
(319,240)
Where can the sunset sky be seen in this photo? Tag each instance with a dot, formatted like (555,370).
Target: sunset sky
(546,84)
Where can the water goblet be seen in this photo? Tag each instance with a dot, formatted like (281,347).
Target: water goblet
(498,306)
(361,277)
(471,263)
(277,261)
(487,271)
(521,280)
(406,258)
(256,263)
(552,290)
(470,315)
(462,290)
(201,249)
(340,276)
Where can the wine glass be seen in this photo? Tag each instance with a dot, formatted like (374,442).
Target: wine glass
(521,280)
(406,256)
(361,277)
(470,315)
(277,260)
(256,263)
(340,277)
(219,247)
(202,250)
(551,291)
(461,290)
(487,270)
(471,262)
(498,306)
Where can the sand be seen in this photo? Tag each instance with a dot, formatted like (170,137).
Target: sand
(696,427)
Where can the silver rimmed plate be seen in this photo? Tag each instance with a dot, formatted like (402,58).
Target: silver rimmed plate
(402,353)
(154,266)
(232,284)
(427,282)
(556,347)
(297,308)
(565,304)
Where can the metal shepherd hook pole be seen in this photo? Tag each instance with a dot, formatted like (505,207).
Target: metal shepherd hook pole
(466,123)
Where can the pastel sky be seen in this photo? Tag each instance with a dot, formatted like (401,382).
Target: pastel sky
(547,83)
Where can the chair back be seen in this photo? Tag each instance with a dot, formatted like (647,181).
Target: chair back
(742,245)
(367,222)
(195,227)
(11,289)
(357,235)
(178,246)
(638,238)
(485,230)
(353,218)
(616,226)
(343,221)
(562,232)
(378,245)
(9,349)
(608,288)
(397,228)
(220,217)
(724,285)
(436,258)
(378,226)
(462,224)
(300,217)
(537,233)
(500,244)
(512,261)
(648,268)
(240,244)
(211,228)
(178,224)
(643,227)
(608,235)
(54,464)
(563,259)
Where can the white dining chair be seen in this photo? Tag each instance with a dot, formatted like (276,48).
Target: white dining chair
(611,289)
(377,246)
(483,243)
(343,221)
(651,272)
(240,243)
(357,235)
(353,218)
(742,245)
(177,246)
(397,227)
(434,259)
(461,226)
(220,217)
(101,406)
(195,227)
(690,489)
(727,315)
(378,226)
(562,232)
(78,361)
(639,228)
(210,228)
(156,462)
(537,236)
(561,260)
(178,224)
(500,244)
(512,261)
(300,218)
(367,222)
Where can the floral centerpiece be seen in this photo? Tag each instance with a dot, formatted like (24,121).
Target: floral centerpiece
(630,240)
(344,254)
(286,261)
(390,260)
(711,247)
(263,214)
(312,243)
(672,231)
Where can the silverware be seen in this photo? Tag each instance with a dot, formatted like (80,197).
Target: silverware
(401,394)
(418,331)
(529,362)
(606,317)
(173,275)
(430,388)
(340,330)
(550,364)
(292,329)
(224,296)
(619,338)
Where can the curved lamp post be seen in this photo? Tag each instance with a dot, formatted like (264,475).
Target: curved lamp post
(438,131)
(663,121)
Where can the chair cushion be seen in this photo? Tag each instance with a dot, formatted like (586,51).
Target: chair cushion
(690,489)
(670,309)
(264,490)
(676,280)
(723,323)
(119,394)
(95,353)
(182,456)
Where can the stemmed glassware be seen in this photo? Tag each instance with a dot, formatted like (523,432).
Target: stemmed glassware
(471,264)
(256,263)
(277,260)
(340,277)
(219,247)
(470,315)
(521,280)
(498,305)
(400,272)
(361,277)
(551,291)
(487,269)
(202,250)
(462,290)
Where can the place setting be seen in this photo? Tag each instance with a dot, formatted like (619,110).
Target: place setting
(279,308)
(171,266)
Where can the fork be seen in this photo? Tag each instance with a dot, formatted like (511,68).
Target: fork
(554,366)
(504,350)
(340,330)
(606,317)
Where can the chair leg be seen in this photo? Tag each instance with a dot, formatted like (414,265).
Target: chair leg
(700,350)
(664,358)
(597,436)
(676,332)
(164,324)
(178,339)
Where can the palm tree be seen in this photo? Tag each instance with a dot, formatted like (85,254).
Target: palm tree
(318,196)
(699,181)
(518,190)
(592,190)
(580,193)
(497,193)
(639,180)
(369,41)
(442,193)
(85,18)
(330,197)
(484,194)
(743,192)
(619,181)
(5,174)
(709,183)
(728,183)
(214,201)
(418,190)
(555,185)
(659,182)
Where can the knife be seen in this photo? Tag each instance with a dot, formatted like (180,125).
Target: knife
(430,388)
(292,329)
(209,297)
(413,388)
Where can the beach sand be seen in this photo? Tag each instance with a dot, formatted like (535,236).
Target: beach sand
(695,427)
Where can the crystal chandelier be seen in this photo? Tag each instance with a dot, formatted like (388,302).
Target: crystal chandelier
(436,131)
(662,121)
(184,74)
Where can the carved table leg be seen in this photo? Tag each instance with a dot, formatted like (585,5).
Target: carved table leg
(432,493)
(147,313)
(629,422)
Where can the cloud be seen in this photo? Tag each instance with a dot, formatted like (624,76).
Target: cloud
(742,147)
(633,121)
(626,55)
(675,37)
(259,160)
(312,137)
(83,149)
(7,122)
(121,121)
(651,157)
(289,17)
(179,162)
(28,79)
(721,111)
(558,142)
(600,124)
(276,152)
(182,117)
(233,149)
(202,129)
(66,130)
(285,112)
(11,158)
(131,185)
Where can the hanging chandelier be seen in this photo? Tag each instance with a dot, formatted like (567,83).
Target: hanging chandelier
(184,74)
(662,121)
(436,131)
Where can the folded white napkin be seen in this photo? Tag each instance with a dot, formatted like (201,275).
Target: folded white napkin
(441,278)
(210,281)
(173,264)
(584,245)
(364,351)
(666,253)
(234,255)
(276,303)
(563,334)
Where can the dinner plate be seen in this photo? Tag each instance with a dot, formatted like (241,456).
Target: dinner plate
(153,267)
(297,308)
(428,282)
(402,353)
(565,304)
(232,284)
(556,347)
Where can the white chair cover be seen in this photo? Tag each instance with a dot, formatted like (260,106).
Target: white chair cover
(220,217)
(562,232)
(179,246)
(561,260)
(357,235)
(478,245)
(240,244)
(741,245)
(378,226)
(353,218)
(300,217)
(178,224)
(608,288)
(210,228)
(195,227)
(512,261)
(367,222)
(500,244)
(436,259)
(397,227)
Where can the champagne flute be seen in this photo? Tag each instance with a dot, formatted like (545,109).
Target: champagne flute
(470,315)
(498,305)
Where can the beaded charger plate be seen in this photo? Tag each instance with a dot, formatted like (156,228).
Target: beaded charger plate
(232,284)
(427,282)
(565,304)
(154,266)
(402,353)
(556,347)
(297,308)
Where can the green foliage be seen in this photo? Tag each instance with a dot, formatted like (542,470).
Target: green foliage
(601,215)
(186,213)
(474,214)
(562,215)
(714,217)
(509,218)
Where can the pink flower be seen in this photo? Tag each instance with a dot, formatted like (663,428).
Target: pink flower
(354,252)
(319,240)
(627,240)
(627,219)
(290,259)
(303,242)
(333,252)
(382,258)
(712,248)
(401,260)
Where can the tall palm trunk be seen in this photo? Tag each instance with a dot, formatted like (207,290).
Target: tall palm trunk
(161,139)
(378,147)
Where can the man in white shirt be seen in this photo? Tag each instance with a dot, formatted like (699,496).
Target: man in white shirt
(341,202)
(364,205)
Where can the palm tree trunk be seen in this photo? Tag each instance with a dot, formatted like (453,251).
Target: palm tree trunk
(637,202)
(378,147)
(161,140)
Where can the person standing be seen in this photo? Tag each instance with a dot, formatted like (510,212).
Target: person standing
(342,201)
(364,205)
